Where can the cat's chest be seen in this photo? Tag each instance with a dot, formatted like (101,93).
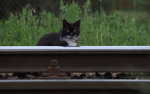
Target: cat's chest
(71,41)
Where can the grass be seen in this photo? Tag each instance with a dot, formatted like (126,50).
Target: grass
(97,29)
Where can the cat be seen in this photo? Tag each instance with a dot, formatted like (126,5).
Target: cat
(67,36)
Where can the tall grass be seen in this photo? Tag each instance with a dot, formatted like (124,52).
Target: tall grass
(97,28)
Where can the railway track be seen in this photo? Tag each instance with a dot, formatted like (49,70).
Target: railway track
(54,61)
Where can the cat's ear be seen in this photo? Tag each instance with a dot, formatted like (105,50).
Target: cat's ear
(77,23)
(65,23)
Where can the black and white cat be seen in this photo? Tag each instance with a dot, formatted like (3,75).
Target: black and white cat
(67,36)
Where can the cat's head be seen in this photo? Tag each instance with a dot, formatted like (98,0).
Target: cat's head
(71,29)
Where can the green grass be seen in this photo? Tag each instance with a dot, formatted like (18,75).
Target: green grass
(97,29)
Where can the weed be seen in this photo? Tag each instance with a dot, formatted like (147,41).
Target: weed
(97,29)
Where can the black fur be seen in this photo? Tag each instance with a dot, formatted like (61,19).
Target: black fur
(56,38)
(51,40)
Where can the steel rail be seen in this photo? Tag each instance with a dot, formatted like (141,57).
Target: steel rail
(74,84)
(84,58)
(73,50)
(78,48)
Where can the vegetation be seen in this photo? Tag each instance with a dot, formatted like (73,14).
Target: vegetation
(97,28)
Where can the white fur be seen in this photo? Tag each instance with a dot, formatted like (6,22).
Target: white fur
(71,40)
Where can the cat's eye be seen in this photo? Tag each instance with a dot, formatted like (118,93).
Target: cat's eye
(74,30)
(68,31)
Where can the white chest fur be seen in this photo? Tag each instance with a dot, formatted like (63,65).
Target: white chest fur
(71,41)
